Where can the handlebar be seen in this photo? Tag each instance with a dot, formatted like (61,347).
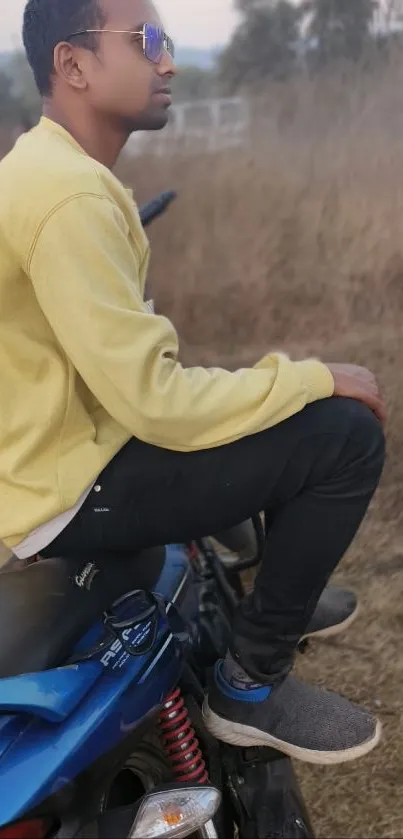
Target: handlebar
(156,207)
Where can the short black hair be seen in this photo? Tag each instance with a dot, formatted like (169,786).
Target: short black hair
(47,23)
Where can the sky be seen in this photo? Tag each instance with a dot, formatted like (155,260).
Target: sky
(197,23)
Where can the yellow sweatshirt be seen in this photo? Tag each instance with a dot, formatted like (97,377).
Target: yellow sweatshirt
(84,365)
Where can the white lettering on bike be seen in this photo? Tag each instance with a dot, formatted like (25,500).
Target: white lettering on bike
(112,655)
(85,577)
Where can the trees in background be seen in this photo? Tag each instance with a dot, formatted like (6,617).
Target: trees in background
(23,88)
(264,46)
(277,38)
(340,29)
(194,83)
(7,101)
(19,99)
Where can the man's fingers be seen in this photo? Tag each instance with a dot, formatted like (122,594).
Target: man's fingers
(366,376)
(369,379)
(376,405)
(381,412)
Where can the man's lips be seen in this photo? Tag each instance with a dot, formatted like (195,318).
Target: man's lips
(164,94)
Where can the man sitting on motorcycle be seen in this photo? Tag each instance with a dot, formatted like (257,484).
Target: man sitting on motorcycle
(107,443)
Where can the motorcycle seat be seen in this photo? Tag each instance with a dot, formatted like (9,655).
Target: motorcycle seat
(46,608)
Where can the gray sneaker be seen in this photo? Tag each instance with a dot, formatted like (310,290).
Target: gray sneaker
(336,611)
(304,722)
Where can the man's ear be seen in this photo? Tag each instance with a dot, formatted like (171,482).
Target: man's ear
(68,65)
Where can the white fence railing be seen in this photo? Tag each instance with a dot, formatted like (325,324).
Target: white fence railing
(205,126)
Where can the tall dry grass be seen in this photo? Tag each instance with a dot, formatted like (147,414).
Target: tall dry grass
(297,234)
(295,241)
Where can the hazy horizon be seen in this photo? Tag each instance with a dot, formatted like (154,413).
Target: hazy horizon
(197,23)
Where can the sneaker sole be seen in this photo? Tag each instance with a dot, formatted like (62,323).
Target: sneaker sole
(335,629)
(245,736)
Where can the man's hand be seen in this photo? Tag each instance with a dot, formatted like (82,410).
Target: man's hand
(358,383)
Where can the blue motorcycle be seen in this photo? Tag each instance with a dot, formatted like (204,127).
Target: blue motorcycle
(104,666)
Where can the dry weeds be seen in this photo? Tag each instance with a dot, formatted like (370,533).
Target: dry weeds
(297,242)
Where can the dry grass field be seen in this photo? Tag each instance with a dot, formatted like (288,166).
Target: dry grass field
(296,242)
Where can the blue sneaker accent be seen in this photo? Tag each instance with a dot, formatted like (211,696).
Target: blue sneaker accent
(253,695)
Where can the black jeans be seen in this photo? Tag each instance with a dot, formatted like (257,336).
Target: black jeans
(314,475)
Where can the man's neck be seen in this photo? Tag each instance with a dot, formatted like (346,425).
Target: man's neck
(102,142)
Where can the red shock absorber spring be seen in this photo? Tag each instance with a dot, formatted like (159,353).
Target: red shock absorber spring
(180,742)
(192,551)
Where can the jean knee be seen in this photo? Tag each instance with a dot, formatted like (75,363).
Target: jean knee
(363,426)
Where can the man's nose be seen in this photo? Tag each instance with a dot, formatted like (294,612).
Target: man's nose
(167,66)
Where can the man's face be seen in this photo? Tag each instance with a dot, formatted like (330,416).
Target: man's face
(121,82)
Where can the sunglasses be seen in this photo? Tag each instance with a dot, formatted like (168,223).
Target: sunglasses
(155,41)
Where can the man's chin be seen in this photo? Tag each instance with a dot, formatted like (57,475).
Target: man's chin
(155,121)
(158,122)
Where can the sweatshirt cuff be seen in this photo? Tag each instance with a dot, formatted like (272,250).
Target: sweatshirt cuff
(317,378)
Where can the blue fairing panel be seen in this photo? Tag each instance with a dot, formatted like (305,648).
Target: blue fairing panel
(52,695)
(72,716)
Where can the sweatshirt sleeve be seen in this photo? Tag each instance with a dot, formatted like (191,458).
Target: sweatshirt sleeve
(85,273)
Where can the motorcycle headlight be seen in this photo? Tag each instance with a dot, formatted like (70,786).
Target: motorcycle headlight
(175,813)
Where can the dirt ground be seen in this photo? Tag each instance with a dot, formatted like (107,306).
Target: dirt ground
(298,244)
(365,799)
